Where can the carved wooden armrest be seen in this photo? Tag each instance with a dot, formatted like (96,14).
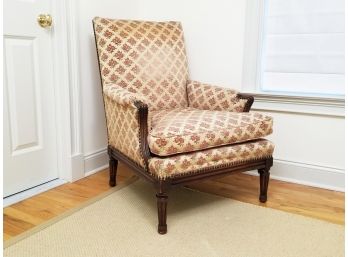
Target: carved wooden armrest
(209,97)
(127,113)
(249,101)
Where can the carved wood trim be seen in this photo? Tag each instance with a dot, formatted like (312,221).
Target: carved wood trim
(162,200)
(143,131)
(190,177)
(249,103)
(219,171)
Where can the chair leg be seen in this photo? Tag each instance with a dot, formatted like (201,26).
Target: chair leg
(264,179)
(113,170)
(162,200)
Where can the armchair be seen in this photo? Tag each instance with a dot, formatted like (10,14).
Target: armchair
(168,129)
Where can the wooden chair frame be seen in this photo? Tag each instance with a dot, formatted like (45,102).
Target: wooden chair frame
(162,186)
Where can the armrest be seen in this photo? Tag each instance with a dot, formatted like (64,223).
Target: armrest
(208,97)
(121,95)
(126,115)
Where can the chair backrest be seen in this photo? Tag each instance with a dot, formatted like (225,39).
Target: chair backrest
(144,57)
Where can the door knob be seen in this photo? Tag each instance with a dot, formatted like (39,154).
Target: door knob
(44,20)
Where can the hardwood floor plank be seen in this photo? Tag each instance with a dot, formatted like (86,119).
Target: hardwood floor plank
(14,226)
(6,236)
(40,203)
(299,199)
(23,216)
(28,213)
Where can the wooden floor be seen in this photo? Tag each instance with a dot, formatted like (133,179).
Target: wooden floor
(308,201)
(33,211)
(304,200)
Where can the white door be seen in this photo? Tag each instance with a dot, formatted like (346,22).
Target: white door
(30,142)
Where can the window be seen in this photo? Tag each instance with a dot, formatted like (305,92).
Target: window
(302,50)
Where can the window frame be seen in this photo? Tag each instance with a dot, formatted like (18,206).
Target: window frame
(252,64)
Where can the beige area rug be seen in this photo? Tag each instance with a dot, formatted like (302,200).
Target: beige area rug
(124,224)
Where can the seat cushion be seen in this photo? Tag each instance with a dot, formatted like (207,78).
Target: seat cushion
(183,164)
(186,130)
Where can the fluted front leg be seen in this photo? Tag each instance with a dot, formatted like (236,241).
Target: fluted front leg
(162,200)
(113,171)
(264,179)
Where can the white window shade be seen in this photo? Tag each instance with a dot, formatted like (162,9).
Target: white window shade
(303,47)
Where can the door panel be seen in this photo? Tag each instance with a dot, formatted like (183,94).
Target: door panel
(23,90)
(30,147)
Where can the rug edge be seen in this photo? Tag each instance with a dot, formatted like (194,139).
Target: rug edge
(67,213)
(271,208)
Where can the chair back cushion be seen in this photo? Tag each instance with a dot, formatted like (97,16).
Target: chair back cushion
(144,57)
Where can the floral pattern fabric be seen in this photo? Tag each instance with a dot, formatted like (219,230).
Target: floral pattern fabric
(192,125)
(186,130)
(121,95)
(207,97)
(144,57)
(122,122)
(183,164)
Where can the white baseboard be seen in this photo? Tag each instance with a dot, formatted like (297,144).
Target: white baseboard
(309,175)
(96,161)
(77,167)
(299,173)
(88,173)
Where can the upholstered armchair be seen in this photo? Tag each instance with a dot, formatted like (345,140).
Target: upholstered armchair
(167,128)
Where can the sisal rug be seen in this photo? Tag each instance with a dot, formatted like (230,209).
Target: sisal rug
(124,223)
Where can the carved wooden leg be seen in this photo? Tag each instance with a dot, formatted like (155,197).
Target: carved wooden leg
(162,200)
(113,170)
(264,178)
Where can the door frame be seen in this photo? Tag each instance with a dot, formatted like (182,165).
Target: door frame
(67,90)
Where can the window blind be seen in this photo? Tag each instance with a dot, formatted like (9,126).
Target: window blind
(303,47)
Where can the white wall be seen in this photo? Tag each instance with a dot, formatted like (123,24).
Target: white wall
(309,148)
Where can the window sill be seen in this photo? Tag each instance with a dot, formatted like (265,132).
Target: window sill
(323,106)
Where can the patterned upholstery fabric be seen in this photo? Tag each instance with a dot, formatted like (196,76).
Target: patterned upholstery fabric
(191,125)
(187,130)
(144,57)
(122,121)
(207,97)
(195,162)
(121,95)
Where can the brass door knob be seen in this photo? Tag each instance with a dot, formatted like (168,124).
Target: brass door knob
(44,20)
